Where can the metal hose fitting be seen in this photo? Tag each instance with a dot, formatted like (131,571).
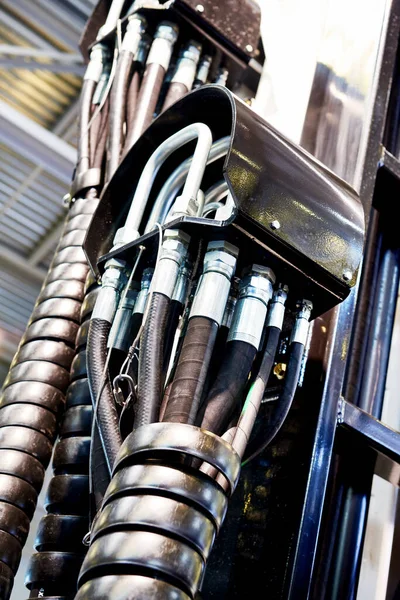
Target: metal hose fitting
(255,291)
(159,520)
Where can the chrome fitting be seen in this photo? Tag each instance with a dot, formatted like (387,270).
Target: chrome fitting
(182,283)
(163,43)
(119,333)
(215,282)
(222,76)
(255,291)
(230,304)
(300,329)
(276,309)
(185,71)
(173,253)
(141,301)
(143,49)
(204,69)
(102,84)
(98,56)
(113,280)
(134,31)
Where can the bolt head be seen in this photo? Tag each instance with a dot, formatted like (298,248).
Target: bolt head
(200,8)
(178,235)
(275,225)
(264,272)
(223,246)
(249,48)
(280,371)
(347,275)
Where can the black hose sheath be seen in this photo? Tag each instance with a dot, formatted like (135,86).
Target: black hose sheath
(282,407)
(107,415)
(228,386)
(271,346)
(83,162)
(191,371)
(118,96)
(175,311)
(151,361)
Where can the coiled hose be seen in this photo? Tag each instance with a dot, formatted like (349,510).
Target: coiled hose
(53,569)
(228,386)
(151,361)
(32,399)
(158,522)
(191,371)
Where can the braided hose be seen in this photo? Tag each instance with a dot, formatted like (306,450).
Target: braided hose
(54,568)
(159,517)
(32,399)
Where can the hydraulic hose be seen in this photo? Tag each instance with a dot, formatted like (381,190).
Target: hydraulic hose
(119,90)
(283,404)
(183,77)
(188,384)
(100,389)
(156,67)
(88,88)
(151,361)
(296,349)
(229,386)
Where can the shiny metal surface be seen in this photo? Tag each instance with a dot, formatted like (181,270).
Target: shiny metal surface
(165,515)
(156,438)
(173,483)
(129,587)
(141,549)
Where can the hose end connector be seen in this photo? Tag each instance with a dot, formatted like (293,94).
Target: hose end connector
(173,253)
(276,309)
(255,291)
(303,315)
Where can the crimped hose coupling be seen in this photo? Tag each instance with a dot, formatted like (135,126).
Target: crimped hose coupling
(255,291)
(159,517)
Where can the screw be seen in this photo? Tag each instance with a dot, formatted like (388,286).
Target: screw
(347,275)
(200,8)
(249,48)
(275,225)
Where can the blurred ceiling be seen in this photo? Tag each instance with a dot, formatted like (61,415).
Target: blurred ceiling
(40,79)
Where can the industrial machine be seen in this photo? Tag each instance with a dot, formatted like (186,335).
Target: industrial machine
(182,370)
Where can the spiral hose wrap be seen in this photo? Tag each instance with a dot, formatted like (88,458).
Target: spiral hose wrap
(158,521)
(32,399)
(54,568)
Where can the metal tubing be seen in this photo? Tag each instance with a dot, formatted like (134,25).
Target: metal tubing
(171,187)
(192,185)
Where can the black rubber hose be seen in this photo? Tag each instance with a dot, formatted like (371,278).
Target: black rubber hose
(151,361)
(175,311)
(271,346)
(229,386)
(282,406)
(83,162)
(100,389)
(118,96)
(191,371)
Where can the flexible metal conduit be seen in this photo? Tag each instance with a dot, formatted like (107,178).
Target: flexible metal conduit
(32,399)
(158,521)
